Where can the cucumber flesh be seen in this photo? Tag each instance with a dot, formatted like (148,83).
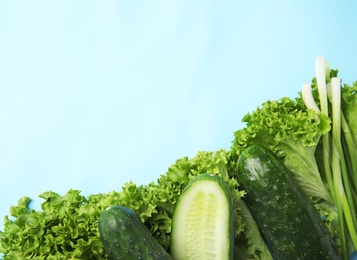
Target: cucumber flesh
(202,222)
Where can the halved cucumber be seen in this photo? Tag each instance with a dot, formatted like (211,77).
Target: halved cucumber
(202,225)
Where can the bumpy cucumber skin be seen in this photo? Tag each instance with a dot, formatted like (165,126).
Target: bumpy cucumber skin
(124,236)
(230,225)
(290,224)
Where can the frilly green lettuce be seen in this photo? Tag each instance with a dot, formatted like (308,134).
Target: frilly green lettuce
(65,228)
(349,107)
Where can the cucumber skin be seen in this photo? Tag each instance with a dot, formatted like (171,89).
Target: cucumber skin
(224,188)
(289,222)
(124,236)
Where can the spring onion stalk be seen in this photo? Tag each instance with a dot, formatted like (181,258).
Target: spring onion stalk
(351,150)
(338,191)
(327,74)
(320,70)
(336,163)
(349,147)
(331,160)
(308,98)
(349,162)
(351,154)
(339,152)
(348,150)
(342,183)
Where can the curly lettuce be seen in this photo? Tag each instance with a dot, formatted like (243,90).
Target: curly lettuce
(65,228)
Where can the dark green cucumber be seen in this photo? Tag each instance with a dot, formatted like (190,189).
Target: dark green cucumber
(289,222)
(124,236)
(202,225)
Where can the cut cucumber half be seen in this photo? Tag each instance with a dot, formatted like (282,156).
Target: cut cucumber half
(202,225)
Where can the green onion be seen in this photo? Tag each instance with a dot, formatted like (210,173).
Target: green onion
(339,153)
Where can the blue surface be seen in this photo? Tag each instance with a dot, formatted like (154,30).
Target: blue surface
(94,94)
(354,256)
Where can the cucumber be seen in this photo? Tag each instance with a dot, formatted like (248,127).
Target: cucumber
(290,224)
(124,236)
(202,225)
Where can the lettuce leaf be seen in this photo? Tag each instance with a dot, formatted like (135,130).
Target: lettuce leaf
(64,229)
(251,244)
(349,107)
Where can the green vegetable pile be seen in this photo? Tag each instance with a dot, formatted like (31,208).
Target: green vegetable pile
(314,135)
(67,226)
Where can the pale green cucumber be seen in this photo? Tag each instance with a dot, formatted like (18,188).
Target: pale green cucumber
(202,225)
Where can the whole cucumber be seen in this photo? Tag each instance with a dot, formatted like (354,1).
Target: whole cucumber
(288,220)
(124,236)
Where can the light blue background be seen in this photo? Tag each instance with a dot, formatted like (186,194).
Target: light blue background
(97,93)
